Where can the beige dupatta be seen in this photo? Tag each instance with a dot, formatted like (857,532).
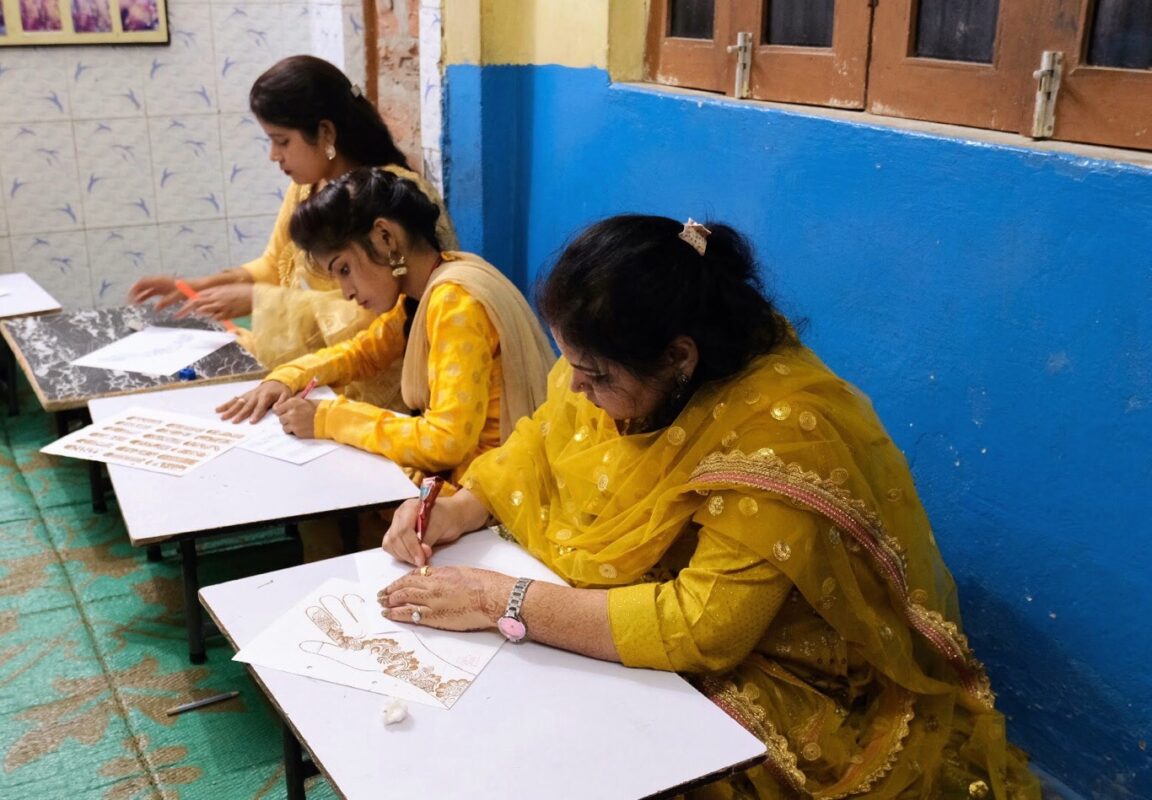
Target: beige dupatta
(525,352)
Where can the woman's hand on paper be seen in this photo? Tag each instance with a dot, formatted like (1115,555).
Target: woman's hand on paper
(227,301)
(162,287)
(451,517)
(449,598)
(254,404)
(298,416)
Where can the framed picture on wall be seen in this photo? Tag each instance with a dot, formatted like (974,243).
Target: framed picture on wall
(46,22)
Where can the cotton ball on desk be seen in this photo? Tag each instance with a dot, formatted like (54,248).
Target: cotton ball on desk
(394,711)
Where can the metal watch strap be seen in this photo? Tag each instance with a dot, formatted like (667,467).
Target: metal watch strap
(516,598)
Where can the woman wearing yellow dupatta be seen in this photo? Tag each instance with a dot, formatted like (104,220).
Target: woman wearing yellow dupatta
(319,125)
(724,506)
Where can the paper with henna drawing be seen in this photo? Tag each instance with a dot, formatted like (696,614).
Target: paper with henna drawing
(337,634)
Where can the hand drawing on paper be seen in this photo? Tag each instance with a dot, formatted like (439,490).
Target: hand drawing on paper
(343,619)
(334,634)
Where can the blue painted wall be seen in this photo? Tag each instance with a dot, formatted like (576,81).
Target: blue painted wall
(995,302)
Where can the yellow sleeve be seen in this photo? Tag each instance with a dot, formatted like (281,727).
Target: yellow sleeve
(463,344)
(362,356)
(717,609)
(265,269)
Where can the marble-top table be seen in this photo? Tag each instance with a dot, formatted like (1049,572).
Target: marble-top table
(45,346)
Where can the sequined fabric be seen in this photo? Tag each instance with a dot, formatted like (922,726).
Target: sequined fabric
(770,544)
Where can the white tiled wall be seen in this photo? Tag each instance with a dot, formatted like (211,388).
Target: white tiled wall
(117,162)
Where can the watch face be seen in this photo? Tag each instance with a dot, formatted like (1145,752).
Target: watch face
(512,628)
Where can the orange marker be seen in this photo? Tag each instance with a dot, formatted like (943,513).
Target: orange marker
(307,389)
(186,290)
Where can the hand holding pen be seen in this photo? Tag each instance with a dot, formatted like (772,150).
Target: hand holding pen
(298,414)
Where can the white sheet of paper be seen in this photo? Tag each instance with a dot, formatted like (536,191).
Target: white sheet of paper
(157,350)
(158,441)
(23,295)
(417,663)
(336,634)
(269,439)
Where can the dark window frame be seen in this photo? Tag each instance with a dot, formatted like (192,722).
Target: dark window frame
(869,67)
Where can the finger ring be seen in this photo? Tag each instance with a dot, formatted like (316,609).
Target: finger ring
(425,570)
(416,617)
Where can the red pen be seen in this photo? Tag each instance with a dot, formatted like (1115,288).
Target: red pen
(311,385)
(191,294)
(429,489)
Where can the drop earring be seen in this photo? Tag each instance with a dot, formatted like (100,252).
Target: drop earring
(398,262)
(681,388)
(330,151)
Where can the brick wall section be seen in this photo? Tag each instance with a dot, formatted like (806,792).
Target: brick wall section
(399,73)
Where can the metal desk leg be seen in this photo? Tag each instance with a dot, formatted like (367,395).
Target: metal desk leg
(11,381)
(154,552)
(96,482)
(193,618)
(296,768)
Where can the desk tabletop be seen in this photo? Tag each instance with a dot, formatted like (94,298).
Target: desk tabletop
(21,295)
(45,347)
(537,722)
(238,488)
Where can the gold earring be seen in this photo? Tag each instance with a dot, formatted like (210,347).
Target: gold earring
(330,151)
(398,262)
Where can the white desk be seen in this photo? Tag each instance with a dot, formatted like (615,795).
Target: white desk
(538,722)
(20,296)
(238,489)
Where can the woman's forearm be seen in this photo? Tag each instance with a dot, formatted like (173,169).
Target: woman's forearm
(222,278)
(568,618)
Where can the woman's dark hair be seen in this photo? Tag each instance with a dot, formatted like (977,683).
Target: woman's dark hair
(299,91)
(343,212)
(629,285)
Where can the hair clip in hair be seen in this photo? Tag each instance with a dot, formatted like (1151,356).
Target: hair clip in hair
(696,235)
(357,91)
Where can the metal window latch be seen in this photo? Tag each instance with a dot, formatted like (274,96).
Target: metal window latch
(1047,87)
(743,51)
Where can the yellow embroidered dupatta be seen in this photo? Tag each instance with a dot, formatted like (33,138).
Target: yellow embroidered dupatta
(604,510)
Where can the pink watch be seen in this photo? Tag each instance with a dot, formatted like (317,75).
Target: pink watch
(511,625)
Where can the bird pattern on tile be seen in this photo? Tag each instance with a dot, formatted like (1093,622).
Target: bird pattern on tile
(106,85)
(246,37)
(188,173)
(59,262)
(38,174)
(193,248)
(115,165)
(118,257)
(180,78)
(248,237)
(253,185)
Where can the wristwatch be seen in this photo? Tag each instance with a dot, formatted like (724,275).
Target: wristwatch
(511,625)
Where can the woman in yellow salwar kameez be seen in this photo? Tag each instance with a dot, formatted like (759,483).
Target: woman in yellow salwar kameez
(474,356)
(726,507)
(319,126)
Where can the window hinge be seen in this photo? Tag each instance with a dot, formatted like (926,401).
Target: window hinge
(1047,87)
(743,51)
